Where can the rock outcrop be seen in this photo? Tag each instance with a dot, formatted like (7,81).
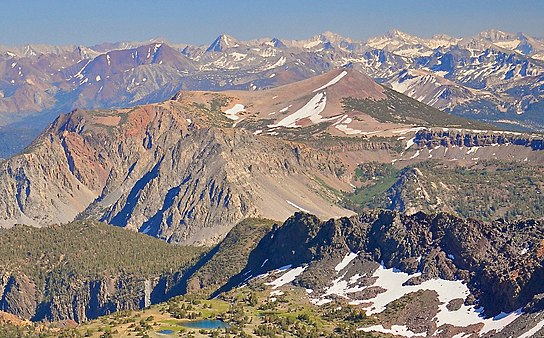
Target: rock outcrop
(476,138)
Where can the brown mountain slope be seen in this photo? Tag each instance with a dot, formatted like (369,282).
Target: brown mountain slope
(343,102)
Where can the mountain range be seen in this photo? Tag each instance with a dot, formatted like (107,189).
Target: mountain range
(495,76)
(187,169)
(316,188)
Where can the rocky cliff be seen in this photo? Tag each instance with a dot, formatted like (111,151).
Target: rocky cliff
(500,261)
(476,138)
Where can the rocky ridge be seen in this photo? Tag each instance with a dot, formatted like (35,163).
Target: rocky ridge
(170,170)
(342,261)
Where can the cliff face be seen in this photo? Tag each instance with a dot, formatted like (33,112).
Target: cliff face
(82,300)
(82,270)
(155,169)
(468,138)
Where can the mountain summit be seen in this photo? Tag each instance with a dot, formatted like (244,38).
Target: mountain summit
(222,43)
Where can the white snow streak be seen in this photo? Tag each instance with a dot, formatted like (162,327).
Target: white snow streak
(331,82)
(288,277)
(532,331)
(296,206)
(397,330)
(311,110)
(349,257)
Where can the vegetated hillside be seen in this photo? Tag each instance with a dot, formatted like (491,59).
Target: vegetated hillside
(485,190)
(229,257)
(399,108)
(85,269)
(373,274)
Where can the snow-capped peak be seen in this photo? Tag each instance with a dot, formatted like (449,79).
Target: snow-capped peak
(222,42)
(496,35)
(397,34)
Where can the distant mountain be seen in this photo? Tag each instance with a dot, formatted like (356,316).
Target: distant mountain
(494,76)
(222,43)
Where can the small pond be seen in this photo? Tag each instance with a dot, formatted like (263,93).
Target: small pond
(206,324)
(166,332)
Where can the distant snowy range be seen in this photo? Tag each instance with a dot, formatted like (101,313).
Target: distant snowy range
(495,76)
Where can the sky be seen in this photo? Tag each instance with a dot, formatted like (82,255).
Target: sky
(81,22)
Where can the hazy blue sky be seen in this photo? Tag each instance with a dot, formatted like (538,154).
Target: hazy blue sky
(200,21)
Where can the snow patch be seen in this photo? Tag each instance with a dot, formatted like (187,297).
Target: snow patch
(288,277)
(533,331)
(231,112)
(393,282)
(397,330)
(410,143)
(283,110)
(296,206)
(281,61)
(349,257)
(415,155)
(311,110)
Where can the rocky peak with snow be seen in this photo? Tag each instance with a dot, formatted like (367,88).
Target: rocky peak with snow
(276,43)
(222,43)
(429,247)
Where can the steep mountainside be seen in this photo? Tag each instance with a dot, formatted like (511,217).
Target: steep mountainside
(438,273)
(175,170)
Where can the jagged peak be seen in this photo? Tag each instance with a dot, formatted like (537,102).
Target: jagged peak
(443,37)
(396,33)
(333,37)
(275,42)
(222,42)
